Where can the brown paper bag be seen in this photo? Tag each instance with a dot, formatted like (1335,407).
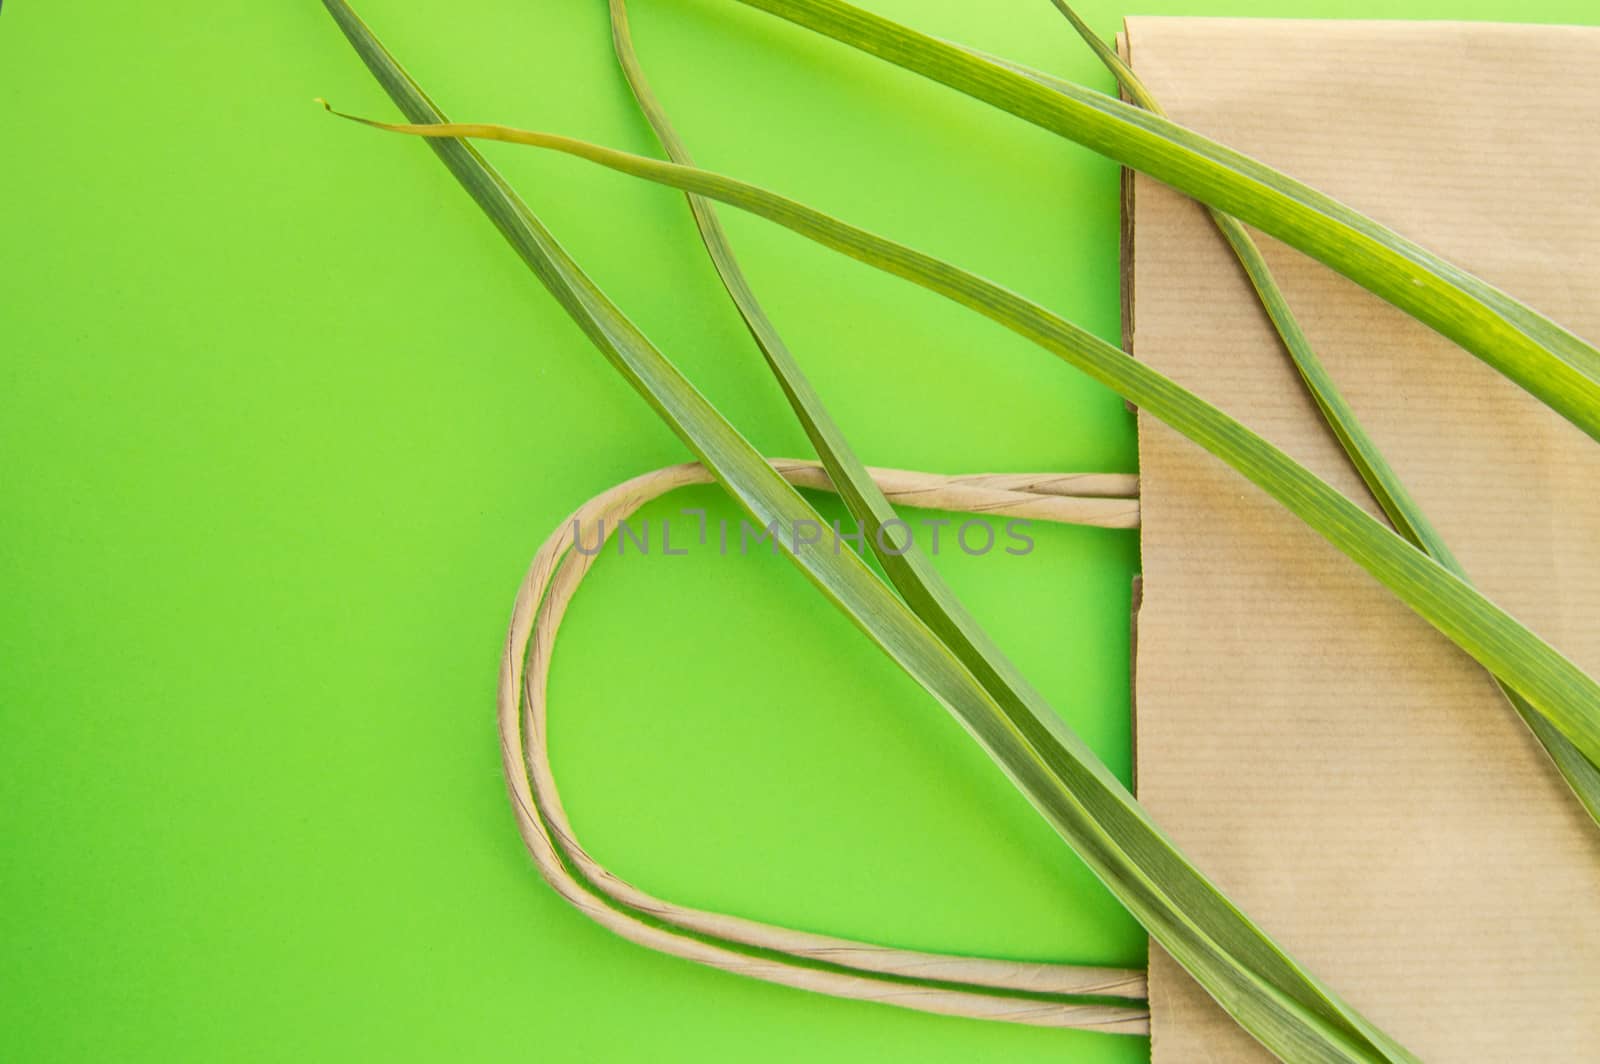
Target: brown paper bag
(1343,772)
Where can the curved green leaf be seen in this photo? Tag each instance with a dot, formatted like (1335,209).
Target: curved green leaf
(1558,689)
(1546,359)
(908,568)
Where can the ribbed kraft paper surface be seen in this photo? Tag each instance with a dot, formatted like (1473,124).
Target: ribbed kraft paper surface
(1345,774)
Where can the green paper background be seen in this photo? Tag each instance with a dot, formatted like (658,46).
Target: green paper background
(282,421)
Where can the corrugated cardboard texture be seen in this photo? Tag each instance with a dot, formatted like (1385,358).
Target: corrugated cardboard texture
(1346,774)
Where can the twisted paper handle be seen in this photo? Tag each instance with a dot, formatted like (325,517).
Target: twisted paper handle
(1041,994)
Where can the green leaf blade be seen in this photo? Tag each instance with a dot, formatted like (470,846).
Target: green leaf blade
(1549,361)
(1554,685)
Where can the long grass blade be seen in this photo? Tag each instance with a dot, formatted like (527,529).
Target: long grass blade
(1365,457)
(1549,361)
(906,565)
(1280,1003)
(1556,687)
